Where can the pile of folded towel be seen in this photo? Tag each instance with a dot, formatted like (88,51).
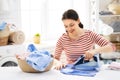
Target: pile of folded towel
(114,66)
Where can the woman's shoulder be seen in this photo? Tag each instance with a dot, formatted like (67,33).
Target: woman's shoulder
(64,35)
(90,32)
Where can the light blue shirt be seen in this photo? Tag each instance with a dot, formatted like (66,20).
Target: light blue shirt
(39,60)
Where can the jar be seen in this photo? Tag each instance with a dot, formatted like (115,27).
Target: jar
(36,38)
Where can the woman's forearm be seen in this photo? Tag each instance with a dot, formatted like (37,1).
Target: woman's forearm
(105,49)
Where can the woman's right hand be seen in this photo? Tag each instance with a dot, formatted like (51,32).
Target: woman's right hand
(59,65)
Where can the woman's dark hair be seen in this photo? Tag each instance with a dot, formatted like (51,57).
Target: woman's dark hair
(71,14)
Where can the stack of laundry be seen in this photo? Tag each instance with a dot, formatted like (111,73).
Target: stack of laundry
(35,60)
(82,67)
(39,60)
(114,66)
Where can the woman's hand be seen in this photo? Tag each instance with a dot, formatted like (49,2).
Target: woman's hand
(89,54)
(59,65)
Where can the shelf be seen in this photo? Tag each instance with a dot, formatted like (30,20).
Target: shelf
(109,15)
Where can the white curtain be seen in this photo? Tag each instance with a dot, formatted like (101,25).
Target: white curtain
(4,6)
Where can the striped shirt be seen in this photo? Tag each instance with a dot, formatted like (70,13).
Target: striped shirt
(74,48)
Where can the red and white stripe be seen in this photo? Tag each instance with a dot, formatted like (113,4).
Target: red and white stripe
(74,48)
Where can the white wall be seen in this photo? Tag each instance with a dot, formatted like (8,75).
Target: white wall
(10,12)
(83,8)
(44,16)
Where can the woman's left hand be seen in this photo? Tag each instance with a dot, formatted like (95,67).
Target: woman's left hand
(89,54)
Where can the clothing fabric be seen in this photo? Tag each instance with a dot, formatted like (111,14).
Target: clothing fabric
(114,66)
(3,25)
(31,48)
(75,48)
(16,37)
(82,67)
(115,25)
(39,60)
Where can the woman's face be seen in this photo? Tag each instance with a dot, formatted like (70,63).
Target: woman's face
(70,25)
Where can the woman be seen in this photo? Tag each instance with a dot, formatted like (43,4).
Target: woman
(78,41)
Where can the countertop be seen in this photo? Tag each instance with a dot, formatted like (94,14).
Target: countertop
(15,73)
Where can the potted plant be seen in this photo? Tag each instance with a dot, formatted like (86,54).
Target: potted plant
(36,38)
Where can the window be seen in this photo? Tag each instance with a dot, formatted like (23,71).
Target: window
(44,16)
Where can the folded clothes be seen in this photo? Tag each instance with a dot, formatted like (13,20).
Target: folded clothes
(16,37)
(39,60)
(70,71)
(105,13)
(82,64)
(114,66)
(82,67)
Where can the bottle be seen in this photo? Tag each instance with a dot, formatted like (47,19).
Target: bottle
(36,38)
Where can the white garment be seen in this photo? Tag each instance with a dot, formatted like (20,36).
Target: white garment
(104,28)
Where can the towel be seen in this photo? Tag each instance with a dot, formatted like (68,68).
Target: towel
(82,64)
(38,59)
(31,48)
(82,67)
(3,25)
(16,37)
(115,25)
(70,71)
(5,32)
(114,66)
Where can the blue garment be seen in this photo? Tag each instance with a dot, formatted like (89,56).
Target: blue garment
(39,60)
(3,25)
(82,67)
(31,48)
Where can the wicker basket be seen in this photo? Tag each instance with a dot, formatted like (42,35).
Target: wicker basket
(27,68)
(3,41)
(4,34)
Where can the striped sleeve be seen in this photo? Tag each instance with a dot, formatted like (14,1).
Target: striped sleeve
(58,49)
(101,41)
